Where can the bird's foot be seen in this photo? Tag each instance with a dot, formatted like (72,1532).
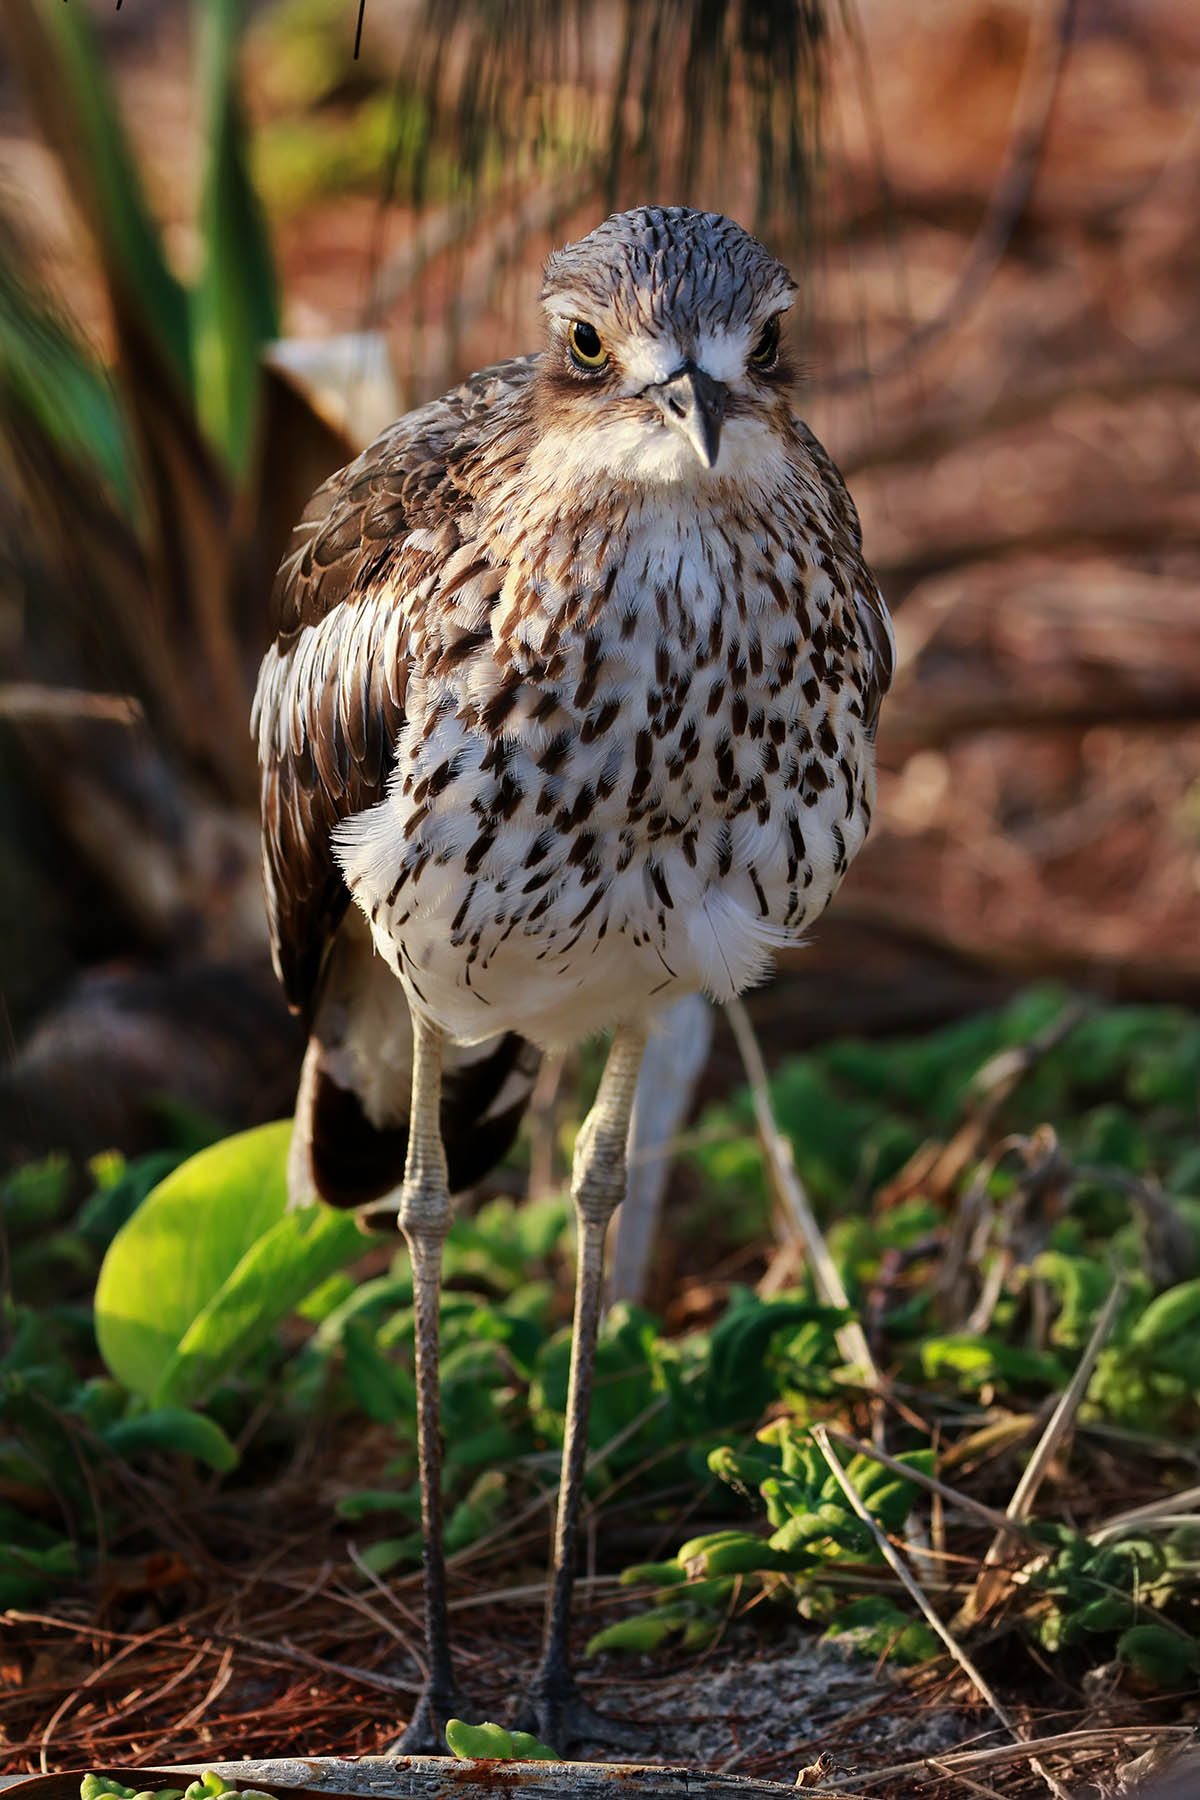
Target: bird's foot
(556,1712)
(425,1733)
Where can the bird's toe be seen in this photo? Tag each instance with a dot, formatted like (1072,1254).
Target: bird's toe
(425,1733)
(556,1712)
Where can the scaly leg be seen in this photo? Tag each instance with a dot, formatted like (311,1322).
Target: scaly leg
(425,1216)
(555,1709)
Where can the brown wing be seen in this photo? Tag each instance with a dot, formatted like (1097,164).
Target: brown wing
(330,696)
(873,617)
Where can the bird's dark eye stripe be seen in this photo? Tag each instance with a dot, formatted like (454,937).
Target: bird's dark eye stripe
(586,345)
(767,347)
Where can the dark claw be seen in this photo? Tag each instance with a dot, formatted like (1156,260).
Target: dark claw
(425,1733)
(556,1712)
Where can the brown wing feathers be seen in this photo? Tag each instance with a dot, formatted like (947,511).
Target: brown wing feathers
(330,704)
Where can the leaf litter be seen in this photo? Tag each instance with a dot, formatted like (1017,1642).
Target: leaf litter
(191,1626)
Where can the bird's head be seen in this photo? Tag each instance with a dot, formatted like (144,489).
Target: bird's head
(664,362)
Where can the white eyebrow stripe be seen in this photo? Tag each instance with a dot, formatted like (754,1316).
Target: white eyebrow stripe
(722,354)
(649,361)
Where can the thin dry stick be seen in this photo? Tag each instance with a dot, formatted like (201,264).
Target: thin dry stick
(900,1569)
(1171,1506)
(1099,1738)
(976,1787)
(851,1338)
(989,1514)
(896,1562)
(30,702)
(1061,1420)
(220,1682)
(530,1590)
(283,1650)
(991,1581)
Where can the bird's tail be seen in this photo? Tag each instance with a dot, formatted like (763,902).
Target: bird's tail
(351,1133)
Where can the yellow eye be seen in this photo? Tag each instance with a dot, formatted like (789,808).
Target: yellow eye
(767,347)
(586,346)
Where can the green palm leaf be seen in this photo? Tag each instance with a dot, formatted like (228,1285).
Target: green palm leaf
(55,48)
(235,308)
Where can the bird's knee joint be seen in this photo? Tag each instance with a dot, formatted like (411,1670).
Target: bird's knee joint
(424,1209)
(598,1192)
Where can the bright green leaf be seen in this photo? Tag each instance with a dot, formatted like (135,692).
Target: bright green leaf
(209,1265)
(475,1741)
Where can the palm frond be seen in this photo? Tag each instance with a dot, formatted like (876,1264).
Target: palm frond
(235,305)
(47,371)
(55,50)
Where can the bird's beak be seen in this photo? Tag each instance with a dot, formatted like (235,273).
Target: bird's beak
(693,404)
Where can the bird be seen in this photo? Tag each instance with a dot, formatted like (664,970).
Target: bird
(570,711)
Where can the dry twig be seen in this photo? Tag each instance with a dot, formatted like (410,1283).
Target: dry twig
(991,1582)
(912,1587)
(851,1338)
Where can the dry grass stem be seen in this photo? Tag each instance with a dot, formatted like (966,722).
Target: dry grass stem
(29,703)
(1064,1743)
(976,1787)
(1060,1421)
(1172,1509)
(900,1569)
(914,1590)
(851,1339)
(930,1483)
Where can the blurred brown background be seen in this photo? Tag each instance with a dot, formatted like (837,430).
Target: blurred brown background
(992,209)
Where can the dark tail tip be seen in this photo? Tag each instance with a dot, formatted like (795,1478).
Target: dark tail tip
(354,1161)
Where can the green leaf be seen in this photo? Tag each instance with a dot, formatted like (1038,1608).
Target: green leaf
(656,1574)
(368,1503)
(209,1265)
(388,1553)
(1165,1659)
(32,1197)
(730,1553)
(1109,1613)
(235,308)
(1172,1315)
(56,50)
(876,1627)
(173,1428)
(475,1741)
(26,1573)
(527,1748)
(645,1631)
(477,1513)
(979,1360)
(97,1787)
(384,1391)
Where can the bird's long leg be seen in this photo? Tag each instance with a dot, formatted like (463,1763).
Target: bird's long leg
(555,1709)
(424,1217)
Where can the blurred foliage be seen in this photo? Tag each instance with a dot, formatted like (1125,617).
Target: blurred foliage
(157,480)
(210,334)
(215,1309)
(544,95)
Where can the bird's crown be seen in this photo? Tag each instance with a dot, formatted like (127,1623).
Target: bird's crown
(662,265)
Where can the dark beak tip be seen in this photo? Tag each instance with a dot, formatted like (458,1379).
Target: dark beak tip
(693,404)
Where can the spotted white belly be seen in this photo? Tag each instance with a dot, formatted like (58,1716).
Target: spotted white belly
(555,877)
